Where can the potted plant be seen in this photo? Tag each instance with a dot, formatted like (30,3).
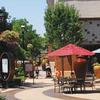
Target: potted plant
(96,67)
(2,98)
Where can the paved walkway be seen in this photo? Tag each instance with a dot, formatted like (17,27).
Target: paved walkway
(42,89)
(39,91)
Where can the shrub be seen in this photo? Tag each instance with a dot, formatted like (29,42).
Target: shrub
(2,98)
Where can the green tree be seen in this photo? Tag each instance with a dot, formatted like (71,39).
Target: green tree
(4,16)
(62,25)
(9,36)
(2,98)
(30,37)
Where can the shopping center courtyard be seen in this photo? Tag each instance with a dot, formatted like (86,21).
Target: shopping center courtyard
(43,88)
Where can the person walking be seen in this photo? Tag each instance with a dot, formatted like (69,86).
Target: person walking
(37,71)
(48,70)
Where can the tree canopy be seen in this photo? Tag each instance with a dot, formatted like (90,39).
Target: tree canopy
(62,25)
(32,40)
(9,36)
(4,16)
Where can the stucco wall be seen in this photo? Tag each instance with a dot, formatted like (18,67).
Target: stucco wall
(92,30)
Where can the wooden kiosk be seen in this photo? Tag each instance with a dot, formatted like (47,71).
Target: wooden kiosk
(7,68)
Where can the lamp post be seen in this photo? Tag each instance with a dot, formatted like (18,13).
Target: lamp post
(23,39)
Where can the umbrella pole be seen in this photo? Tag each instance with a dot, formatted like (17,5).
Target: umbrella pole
(70,62)
(62,62)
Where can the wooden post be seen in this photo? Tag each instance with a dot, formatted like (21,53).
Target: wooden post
(62,63)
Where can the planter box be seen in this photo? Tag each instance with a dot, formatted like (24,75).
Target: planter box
(97,71)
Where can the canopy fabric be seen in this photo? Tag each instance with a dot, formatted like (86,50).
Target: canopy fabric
(96,51)
(71,49)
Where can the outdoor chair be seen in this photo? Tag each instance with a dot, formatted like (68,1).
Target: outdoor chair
(61,84)
(68,86)
(89,81)
(79,84)
(58,84)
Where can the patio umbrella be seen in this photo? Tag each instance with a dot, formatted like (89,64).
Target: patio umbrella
(70,49)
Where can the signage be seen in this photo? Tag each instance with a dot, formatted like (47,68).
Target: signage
(7,66)
(4,65)
(28,67)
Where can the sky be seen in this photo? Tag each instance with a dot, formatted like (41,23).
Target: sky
(32,10)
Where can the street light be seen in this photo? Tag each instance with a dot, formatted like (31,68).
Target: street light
(23,46)
(23,32)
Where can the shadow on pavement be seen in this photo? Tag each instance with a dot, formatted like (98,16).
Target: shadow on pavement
(51,93)
(36,85)
(83,92)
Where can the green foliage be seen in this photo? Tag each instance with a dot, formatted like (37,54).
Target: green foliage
(29,46)
(9,36)
(2,98)
(62,25)
(19,52)
(30,37)
(16,24)
(19,71)
(9,43)
(96,64)
(4,25)
(22,78)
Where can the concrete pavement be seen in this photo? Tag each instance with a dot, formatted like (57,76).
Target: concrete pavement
(38,91)
(43,89)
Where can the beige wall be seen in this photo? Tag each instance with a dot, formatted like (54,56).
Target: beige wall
(86,8)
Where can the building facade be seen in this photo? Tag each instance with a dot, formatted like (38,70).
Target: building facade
(89,13)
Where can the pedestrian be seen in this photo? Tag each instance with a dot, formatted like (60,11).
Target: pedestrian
(73,77)
(58,75)
(37,71)
(48,70)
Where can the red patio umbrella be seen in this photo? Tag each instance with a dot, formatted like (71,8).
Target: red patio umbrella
(70,49)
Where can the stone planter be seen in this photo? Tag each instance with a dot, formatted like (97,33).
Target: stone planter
(97,71)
